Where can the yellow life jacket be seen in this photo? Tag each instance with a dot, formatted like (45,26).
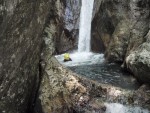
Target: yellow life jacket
(66,56)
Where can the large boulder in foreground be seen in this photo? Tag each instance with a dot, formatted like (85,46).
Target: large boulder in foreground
(138,61)
(62,91)
(21,26)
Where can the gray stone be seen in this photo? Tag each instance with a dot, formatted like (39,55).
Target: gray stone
(119,29)
(138,61)
(67,35)
(21,25)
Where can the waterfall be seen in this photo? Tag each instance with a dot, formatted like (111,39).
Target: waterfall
(85,26)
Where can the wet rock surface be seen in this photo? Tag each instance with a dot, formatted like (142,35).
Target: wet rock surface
(68,17)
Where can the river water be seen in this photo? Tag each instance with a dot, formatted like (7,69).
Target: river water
(93,66)
(119,108)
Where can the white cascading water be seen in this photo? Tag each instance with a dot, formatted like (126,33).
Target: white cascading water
(84,56)
(85,26)
(119,108)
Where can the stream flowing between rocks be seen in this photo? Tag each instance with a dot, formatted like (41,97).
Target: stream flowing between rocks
(92,66)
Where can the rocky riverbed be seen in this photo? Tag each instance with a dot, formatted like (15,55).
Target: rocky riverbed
(71,93)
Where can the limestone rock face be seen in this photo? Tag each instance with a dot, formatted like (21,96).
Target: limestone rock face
(138,52)
(138,61)
(72,14)
(69,15)
(21,26)
(110,28)
(55,90)
(120,30)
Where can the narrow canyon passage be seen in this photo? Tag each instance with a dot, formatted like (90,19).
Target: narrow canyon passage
(108,70)
(93,66)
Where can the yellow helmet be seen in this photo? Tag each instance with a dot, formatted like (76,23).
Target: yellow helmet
(66,56)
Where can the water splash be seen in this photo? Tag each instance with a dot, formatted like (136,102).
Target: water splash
(119,108)
(84,58)
(85,26)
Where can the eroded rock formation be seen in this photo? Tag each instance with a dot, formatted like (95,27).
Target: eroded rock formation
(69,14)
(120,29)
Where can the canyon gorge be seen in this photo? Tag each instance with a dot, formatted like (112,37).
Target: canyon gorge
(32,32)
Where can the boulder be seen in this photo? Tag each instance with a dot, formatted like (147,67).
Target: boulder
(138,61)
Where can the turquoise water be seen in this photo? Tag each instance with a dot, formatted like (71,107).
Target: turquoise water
(107,74)
(92,65)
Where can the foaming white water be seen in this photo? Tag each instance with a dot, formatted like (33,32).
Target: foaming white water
(119,108)
(83,58)
(85,26)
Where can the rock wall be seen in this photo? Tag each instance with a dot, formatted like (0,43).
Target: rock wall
(21,41)
(23,61)
(21,26)
(138,51)
(69,14)
(120,30)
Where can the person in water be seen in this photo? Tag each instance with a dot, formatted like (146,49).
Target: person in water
(67,57)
